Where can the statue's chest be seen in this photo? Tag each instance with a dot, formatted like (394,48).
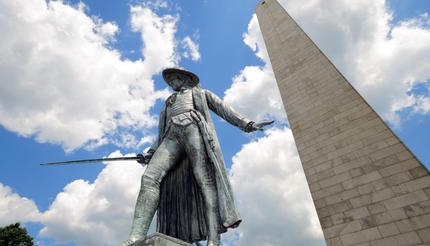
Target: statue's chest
(179,106)
(180,102)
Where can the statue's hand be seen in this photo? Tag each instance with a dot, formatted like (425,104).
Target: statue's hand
(252,126)
(145,158)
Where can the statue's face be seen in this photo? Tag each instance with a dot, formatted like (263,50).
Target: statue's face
(176,81)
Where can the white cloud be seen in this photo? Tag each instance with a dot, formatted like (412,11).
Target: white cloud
(158,36)
(255,94)
(254,91)
(95,213)
(191,49)
(272,193)
(62,83)
(107,30)
(146,140)
(157,4)
(422,105)
(14,208)
(254,39)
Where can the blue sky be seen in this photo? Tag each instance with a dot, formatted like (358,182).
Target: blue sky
(64,70)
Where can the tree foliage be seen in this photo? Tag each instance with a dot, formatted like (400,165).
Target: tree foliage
(15,235)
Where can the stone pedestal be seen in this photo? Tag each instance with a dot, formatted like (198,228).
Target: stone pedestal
(158,239)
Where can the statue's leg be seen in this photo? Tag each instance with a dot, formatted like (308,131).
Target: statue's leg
(166,156)
(204,176)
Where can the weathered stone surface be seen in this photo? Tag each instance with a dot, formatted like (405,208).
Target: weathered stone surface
(158,239)
(368,188)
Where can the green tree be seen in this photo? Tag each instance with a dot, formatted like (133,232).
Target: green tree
(15,235)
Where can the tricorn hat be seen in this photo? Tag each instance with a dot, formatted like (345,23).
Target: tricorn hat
(193,81)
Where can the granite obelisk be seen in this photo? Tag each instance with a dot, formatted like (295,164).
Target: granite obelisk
(367,186)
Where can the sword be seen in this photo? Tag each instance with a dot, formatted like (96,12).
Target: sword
(132,158)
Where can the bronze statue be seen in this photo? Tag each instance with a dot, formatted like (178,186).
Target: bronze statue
(186,180)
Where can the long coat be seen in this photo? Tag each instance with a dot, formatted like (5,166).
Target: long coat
(181,211)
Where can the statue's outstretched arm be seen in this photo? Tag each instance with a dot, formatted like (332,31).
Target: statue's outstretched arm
(231,116)
(225,111)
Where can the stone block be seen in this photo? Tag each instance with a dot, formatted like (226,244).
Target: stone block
(425,235)
(357,213)
(326,222)
(351,164)
(390,216)
(365,189)
(407,199)
(405,155)
(387,161)
(159,239)
(333,231)
(352,226)
(418,184)
(334,242)
(376,208)
(356,172)
(399,167)
(427,191)
(368,222)
(360,236)
(393,149)
(382,195)
(361,180)
(419,172)
(406,239)
(342,196)
(361,200)
(398,178)
(338,218)
(339,207)
(414,223)
(417,209)
(335,180)
(388,229)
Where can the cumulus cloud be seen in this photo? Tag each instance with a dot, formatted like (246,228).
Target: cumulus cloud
(158,36)
(95,213)
(191,49)
(14,208)
(422,105)
(254,91)
(155,4)
(254,39)
(62,83)
(272,193)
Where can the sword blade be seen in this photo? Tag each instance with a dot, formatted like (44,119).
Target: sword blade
(90,161)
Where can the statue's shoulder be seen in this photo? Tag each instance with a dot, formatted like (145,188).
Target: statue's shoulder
(198,89)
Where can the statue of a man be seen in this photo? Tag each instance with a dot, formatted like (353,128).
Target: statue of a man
(186,180)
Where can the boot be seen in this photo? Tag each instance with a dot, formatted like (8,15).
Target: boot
(127,242)
(213,243)
(146,206)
